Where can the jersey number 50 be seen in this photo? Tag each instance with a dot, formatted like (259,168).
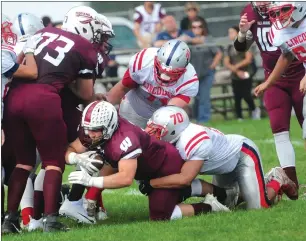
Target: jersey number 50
(51,37)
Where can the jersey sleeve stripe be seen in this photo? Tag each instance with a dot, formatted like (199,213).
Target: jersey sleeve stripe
(187,83)
(194,138)
(134,65)
(132,154)
(141,58)
(196,143)
(85,71)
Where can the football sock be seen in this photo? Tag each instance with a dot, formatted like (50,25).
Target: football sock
(27,202)
(200,208)
(93,193)
(76,192)
(39,202)
(16,186)
(51,190)
(219,193)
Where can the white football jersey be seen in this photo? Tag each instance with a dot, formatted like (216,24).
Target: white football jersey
(291,40)
(148,21)
(220,153)
(8,60)
(149,95)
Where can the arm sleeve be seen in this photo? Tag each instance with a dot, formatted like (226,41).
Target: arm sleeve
(127,81)
(88,65)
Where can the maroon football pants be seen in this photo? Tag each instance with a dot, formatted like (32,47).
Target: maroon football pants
(35,118)
(279,100)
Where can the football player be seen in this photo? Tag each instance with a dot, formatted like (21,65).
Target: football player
(254,26)
(230,158)
(155,77)
(132,154)
(288,34)
(73,205)
(11,67)
(62,55)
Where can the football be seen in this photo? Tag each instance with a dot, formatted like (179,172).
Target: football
(97,157)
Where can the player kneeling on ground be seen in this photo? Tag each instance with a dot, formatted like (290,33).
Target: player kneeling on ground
(133,154)
(231,159)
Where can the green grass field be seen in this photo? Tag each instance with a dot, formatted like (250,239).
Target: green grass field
(128,209)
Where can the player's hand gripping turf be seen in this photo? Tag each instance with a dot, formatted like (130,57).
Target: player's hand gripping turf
(145,188)
(80,177)
(88,161)
(244,24)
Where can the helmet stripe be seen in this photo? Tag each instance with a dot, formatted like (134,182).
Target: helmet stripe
(89,111)
(20,24)
(172,52)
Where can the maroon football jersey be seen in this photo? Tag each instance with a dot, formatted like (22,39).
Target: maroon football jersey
(101,64)
(62,57)
(129,142)
(269,53)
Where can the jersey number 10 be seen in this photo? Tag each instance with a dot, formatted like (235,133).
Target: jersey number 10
(262,34)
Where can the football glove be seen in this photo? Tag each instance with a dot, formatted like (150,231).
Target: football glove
(145,188)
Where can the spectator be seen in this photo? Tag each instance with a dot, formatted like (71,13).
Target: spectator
(192,10)
(171,32)
(47,21)
(147,18)
(243,68)
(205,59)
(112,67)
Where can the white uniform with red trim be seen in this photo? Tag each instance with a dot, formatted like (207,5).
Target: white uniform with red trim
(146,95)
(231,159)
(8,61)
(292,40)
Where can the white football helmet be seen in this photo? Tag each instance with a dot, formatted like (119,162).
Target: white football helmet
(106,34)
(100,115)
(171,62)
(167,123)
(8,37)
(26,25)
(285,14)
(84,21)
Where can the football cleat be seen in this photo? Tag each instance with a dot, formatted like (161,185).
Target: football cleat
(11,224)
(101,214)
(35,224)
(91,208)
(76,211)
(216,206)
(50,224)
(232,195)
(287,185)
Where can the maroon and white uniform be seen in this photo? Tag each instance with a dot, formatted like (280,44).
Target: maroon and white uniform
(292,40)
(148,21)
(146,94)
(285,93)
(35,114)
(155,159)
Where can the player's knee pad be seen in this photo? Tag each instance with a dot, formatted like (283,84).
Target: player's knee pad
(177,213)
(39,181)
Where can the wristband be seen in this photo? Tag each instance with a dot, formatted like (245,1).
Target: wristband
(71,158)
(97,182)
(241,37)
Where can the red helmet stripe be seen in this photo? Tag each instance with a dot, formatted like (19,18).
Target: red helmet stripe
(89,111)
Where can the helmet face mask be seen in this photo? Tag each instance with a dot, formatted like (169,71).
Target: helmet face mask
(166,76)
(261,8)
(280,16)
(7,35)
(156,130)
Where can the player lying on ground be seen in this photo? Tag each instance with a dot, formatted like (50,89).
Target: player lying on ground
(253,27)
(287,33)
(231,159)
(133,154)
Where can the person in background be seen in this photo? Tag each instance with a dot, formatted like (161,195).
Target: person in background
(205,58)
(112,67)
(243,68)
(147,22)
(192,10)
(172,32)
